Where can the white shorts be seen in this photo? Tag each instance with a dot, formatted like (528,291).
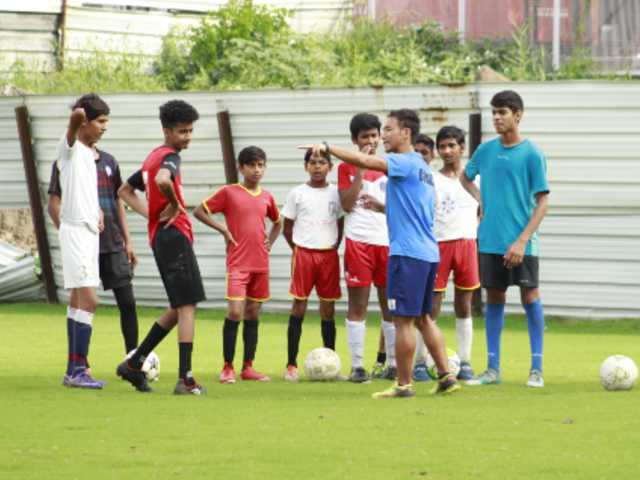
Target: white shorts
(80,248)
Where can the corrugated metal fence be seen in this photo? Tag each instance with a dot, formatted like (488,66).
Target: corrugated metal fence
(589,132)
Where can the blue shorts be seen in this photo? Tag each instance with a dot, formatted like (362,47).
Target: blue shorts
(410,286)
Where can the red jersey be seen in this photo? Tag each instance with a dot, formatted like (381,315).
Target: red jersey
(245,212)
(163,157)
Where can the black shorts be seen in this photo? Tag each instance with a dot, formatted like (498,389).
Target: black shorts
(178,267)
(493,273)
(115,270)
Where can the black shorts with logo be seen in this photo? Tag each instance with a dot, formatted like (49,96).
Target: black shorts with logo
(115,270)
(178,267)
(493,273)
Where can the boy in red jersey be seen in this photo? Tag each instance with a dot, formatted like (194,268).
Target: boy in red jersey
(245,206)
(313,223)
(171,238)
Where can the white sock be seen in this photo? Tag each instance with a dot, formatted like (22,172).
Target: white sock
(83,316)
(355,338)
(389,331)
(464,332)
(421,349)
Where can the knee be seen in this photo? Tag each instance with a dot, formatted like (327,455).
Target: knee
(529,295)
(299,308)
(252,310)
(327,310)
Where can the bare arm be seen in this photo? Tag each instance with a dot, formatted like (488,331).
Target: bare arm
(515,253)
(349,196)
(165,185)
(287,232)
(470,187)
(53,207)
(124,227)
(201,214)
(77,118)
(276,228)
(340,232)
(128,194)
(359,159)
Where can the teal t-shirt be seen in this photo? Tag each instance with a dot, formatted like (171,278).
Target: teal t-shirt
(510,177)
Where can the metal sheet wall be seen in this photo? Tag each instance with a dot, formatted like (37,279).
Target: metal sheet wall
(589,264)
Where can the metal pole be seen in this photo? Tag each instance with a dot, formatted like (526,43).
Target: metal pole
(556,34)
(37,214)
(226,142)
(371,10)
(462,19)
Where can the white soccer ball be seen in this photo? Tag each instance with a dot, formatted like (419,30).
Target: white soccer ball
(618,372)
(322,364)
(150,366)
(454,364)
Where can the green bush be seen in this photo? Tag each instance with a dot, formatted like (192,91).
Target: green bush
(98,72)
(247,46)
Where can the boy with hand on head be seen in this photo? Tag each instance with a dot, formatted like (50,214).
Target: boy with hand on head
(117,259)
(413,249)
(313,223)
(455,228)
(245,206)
(80,225)
(366,250)
(171,238)
(514,200)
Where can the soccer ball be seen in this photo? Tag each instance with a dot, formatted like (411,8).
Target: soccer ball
(454,364)
(618,372)
(150,367)
(322,364)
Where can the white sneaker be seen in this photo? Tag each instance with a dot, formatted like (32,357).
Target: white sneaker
(535,379)
(291,374)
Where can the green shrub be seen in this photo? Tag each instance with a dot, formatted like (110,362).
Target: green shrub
(98,72)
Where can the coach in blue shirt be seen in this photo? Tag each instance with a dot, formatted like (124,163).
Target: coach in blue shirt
(413,249)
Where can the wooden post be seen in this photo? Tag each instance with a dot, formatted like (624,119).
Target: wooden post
(37,214)
(226,142)
(475,138)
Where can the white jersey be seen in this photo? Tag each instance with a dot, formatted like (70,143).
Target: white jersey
(361,224)
(315,212)
(79,184)
(456,210)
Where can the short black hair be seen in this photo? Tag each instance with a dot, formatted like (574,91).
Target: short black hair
(177,111)
(407,118)
(362,122)
(508,99)
(425,140)
(251,154)
(450,131)
(324,153)
(93,106)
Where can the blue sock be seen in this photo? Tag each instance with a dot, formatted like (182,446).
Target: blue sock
(71,341)
(494,318)
(82,328)
(535,322)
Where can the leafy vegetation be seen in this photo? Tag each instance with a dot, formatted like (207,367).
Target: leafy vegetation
(247,46)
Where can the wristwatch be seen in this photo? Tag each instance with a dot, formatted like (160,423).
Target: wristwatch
(326,147)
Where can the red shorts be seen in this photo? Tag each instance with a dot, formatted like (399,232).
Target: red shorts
(248,285)
(365,263)
(461,256)
(315,268)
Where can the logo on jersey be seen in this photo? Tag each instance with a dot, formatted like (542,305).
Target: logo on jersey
(425,177)
(108,170)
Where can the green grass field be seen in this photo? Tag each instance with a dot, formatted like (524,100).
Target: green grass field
(572,429)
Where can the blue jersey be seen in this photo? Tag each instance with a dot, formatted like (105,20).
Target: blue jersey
(410,207)
(510,177)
